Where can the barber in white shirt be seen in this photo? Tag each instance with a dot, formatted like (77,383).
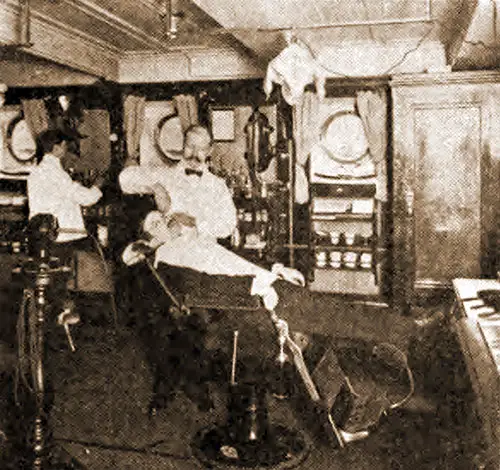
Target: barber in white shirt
(198,197)
(52,191)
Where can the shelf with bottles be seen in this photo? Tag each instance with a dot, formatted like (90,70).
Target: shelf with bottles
(344,240)
(329,216)
(347,259)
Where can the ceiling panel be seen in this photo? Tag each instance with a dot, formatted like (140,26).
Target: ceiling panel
(131,25)
(267,14)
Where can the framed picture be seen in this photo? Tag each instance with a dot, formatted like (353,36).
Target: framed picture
(222,121)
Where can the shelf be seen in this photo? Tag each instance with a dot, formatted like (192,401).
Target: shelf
(342,268)
(341,216)
(344,248)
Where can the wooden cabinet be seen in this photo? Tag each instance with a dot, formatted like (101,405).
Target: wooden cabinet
(446,151)
(344,238)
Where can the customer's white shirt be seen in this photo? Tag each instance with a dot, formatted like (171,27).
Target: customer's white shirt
(206,198)
(52,191)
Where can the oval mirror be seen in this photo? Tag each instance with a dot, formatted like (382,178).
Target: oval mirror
(343,137)
(169,137)
(20,142)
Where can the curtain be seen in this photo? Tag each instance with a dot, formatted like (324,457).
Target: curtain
(306,133)
(372,108)
(133,124)
(36,116)
(187,109)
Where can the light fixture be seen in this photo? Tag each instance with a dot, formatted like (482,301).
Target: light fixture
(171,17)
(64,102)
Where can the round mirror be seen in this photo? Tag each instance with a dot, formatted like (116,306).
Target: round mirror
(343,137)
(169,137)
(20,142)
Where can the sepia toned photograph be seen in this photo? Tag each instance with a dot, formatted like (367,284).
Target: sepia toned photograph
(257,235)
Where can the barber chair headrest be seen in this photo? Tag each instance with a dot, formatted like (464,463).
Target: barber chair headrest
(42,231)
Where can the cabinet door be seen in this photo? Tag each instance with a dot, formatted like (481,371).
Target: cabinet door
(443,182)
(447,191)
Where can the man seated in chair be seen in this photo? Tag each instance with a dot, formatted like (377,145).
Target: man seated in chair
(196,208)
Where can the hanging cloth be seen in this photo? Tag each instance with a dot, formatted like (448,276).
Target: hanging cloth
(372,108)
(133,124)
(36,116)
(306,132)
(187,109)
(293,69)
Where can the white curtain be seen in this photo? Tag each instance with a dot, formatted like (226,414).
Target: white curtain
(306,133)
(36,116)
(187,109)
(372,108)
(133,124)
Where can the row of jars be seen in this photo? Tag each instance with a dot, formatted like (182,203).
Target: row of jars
(347,259)
(261,215)
(343,239)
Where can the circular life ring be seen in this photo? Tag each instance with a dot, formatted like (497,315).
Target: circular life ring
(343,138)
(169,137)
(20,142)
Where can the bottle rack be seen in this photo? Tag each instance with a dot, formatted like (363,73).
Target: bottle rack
(13,215)
(343,238)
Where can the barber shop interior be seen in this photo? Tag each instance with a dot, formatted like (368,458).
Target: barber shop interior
(260,234)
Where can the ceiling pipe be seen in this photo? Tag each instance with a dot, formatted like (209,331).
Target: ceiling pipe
(23,27)
(24,23)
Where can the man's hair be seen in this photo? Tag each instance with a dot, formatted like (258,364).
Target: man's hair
(198,129)
(46,140)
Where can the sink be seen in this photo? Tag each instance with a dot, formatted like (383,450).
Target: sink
(491,297)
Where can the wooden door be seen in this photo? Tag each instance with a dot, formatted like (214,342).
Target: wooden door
(447,192)
(443,179)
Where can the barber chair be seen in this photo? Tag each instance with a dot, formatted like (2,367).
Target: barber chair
(337,410)
(41,275)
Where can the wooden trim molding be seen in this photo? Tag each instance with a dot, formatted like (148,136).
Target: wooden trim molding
(425,79)
(190,65)
(117,23)
(60,43)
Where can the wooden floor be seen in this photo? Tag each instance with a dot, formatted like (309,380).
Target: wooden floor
(102,391)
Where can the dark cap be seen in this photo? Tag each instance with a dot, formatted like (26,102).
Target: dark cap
(50,137)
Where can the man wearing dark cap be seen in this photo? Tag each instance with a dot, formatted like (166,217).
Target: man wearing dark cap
(52,191)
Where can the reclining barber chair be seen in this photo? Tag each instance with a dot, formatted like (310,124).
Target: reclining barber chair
(348,408)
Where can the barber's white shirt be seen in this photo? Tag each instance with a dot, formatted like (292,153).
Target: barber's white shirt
(52,191)
(206,198)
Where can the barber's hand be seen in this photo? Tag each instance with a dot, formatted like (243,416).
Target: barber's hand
(142,248)
(289,274)
(132,255)
(183,219)
(162,198)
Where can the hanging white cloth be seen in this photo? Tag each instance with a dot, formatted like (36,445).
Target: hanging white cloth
(306,132)
(133,124)
(187,109)
(293,69)
(372,108)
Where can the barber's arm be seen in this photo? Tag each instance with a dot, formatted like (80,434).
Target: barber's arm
(137,180)
(84,196)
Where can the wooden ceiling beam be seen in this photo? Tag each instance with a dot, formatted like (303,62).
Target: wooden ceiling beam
(60,43)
